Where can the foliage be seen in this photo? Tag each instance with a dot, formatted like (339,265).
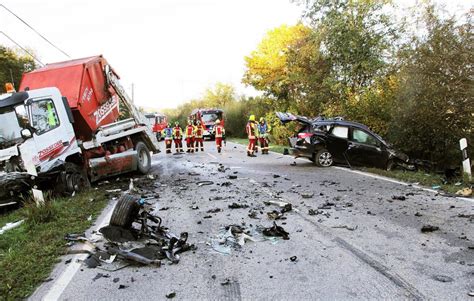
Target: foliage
(13,65)
(435,102)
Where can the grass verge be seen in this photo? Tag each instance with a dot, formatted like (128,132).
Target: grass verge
(273,147)
(28,253)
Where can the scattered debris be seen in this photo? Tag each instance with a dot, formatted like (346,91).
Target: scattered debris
(276,231)
(307,195)
(100,275)
(231,177)
(215,210)
(121,287)
(276,176)
(429,228)
(238,206)
(399,197)
(227,281)
(204,183)
(464,192)
(418,214)
(293,258)
(231,237)
(171,295)
(326,205)
(10,226)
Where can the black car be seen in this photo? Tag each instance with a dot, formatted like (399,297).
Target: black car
(329,141)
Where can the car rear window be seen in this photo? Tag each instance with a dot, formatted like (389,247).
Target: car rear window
(340,131)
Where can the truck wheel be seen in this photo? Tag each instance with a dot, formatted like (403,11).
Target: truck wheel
(125,212)
(144,158)
(71,179)
(323,158)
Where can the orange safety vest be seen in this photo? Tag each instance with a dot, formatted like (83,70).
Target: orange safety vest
(250,129)
(199,131)
(177,132)
(190,131)
(219,131)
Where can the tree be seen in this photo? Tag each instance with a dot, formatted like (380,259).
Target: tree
(357,38)
(219,96)
(435,102)
(288,67)
(13,65)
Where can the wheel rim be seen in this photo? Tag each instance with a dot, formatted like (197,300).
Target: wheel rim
(143,158)
(325,159)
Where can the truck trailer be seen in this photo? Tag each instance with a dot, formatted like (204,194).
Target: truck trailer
(70,124)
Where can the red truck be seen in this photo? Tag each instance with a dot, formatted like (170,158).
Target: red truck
(208,119)
(157,122)
(63,130)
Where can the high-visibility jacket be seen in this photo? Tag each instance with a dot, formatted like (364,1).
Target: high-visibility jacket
(263,130)
(177,132)
(167,133)
(251,130)
(219,131)
(190,131)
(199,131)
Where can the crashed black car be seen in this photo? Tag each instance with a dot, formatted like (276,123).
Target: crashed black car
(330,141)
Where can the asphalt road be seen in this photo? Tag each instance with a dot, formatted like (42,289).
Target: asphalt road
(366,245)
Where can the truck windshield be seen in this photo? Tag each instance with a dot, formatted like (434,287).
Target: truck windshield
(211,117)
(9,129)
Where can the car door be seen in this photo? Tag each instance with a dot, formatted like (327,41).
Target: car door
(365,149)
(337,142)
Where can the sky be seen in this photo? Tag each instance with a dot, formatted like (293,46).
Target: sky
(171,50)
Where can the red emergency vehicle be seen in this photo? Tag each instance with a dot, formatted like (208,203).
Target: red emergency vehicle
(157,122)
(208,119)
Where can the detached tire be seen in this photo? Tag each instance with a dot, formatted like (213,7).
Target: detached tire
(323,158)
(144,158)
(125,212)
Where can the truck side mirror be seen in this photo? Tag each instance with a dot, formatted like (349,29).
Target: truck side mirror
(26,133)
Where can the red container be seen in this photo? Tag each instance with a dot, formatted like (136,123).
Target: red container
(84,84)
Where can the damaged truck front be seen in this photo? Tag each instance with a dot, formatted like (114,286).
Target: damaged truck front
(63,130)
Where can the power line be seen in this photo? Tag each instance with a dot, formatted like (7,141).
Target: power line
(34,57)
(31,27)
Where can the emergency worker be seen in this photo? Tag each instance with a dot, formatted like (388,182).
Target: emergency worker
(189,134)
(178,136)
(199,137)
(251,130)
(263,131)
(167,133)
(219,134)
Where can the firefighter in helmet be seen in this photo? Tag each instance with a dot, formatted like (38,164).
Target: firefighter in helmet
(219,134)
(167,133)
(189,134)
(251,130)
(263,131)
(199,137)
(178,136)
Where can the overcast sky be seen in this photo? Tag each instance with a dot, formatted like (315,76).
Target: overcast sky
(172,50)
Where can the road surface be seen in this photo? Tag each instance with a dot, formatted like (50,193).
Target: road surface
(363,244)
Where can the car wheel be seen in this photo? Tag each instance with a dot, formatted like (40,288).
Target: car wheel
(144,158)
(125,212)
(323,158)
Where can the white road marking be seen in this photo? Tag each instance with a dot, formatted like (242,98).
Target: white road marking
(212,156)
(395,181)
(66,276)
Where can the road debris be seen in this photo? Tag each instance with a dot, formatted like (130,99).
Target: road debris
(429,228)
(443,278)
(399,197)
(171,295)
(238,206)
(276,231)
(350,228)
(230,238)
(204,183)
(10,226)
(307,195)
(464,192)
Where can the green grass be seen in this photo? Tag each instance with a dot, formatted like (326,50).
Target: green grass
(422,178)
(29,252)
(273,147)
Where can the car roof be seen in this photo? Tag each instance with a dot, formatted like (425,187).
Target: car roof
(341,122)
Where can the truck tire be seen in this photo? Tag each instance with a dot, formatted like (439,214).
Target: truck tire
(72,179)
(125,212)
(323,158)
(144,158)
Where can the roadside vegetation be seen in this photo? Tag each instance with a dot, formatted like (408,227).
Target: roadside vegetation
(29,252)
